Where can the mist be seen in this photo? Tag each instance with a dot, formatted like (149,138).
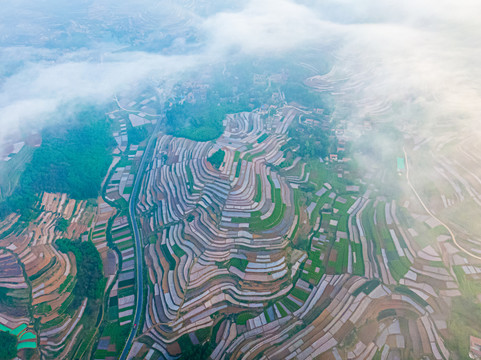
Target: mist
(415,62)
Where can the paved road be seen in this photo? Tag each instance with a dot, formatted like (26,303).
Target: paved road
(138,245)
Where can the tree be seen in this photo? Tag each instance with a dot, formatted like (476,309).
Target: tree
(89,267)
(8,348)
(137,134)
(62,224)
(197,352)
(217,158)
(199,122)
(72,159)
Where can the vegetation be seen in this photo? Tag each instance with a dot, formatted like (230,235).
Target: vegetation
(300,294)
(11,171)
(465,321)
(197,352)
(89,268)
(44,270)
(403,289)
(62,224)
(217,158)
(167,256)
(72,159)
(385,314)
(44,308)
(303,95)
(203,334)
(64,285)
(262,138)
(201,121)
(258,196)
(8,350)
(243,317)
(309,141)
(137,134)
(241,264)
(367,287)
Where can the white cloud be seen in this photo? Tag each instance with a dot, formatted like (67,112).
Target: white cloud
(264,27)
(424,52)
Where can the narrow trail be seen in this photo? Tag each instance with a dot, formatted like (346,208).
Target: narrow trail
(430,213)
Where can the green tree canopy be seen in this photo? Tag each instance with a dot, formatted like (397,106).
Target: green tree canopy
(8,347)
(73,158)
(217,158)
(197,352)
(89,267)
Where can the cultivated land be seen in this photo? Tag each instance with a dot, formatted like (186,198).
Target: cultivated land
(265,243)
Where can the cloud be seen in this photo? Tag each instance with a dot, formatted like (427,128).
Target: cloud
(418,56)
(266,27)
(47,76)
(35,92)
(417,61)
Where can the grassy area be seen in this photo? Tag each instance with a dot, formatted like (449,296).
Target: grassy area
(10,171)
(398,267)
(63,164)
(262,138)
(255,221)
(312,276)
(117,334)
(201,121)
(468,288)
(237,156)
(89,268)
(258,196)
(403,289)
(271,221)
(367,287)
(281,310)
(251,156)
(178,251)
(324,199)
(358,265)
(53,323)
(168,256)
(385,314)
(257,224)
(290,305)
(296,212)
(238,168)
(203,334)
(370,228)
(465,321)
(243,317)
(376,228)
(241,264)
(43,308)
(190,178)
(300,294)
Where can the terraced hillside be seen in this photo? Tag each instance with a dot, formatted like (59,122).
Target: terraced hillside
(269,242)
(272,255)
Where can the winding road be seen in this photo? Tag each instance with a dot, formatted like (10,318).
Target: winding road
(430,213)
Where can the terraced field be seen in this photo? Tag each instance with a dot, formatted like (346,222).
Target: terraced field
(262,260)
(262,254)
